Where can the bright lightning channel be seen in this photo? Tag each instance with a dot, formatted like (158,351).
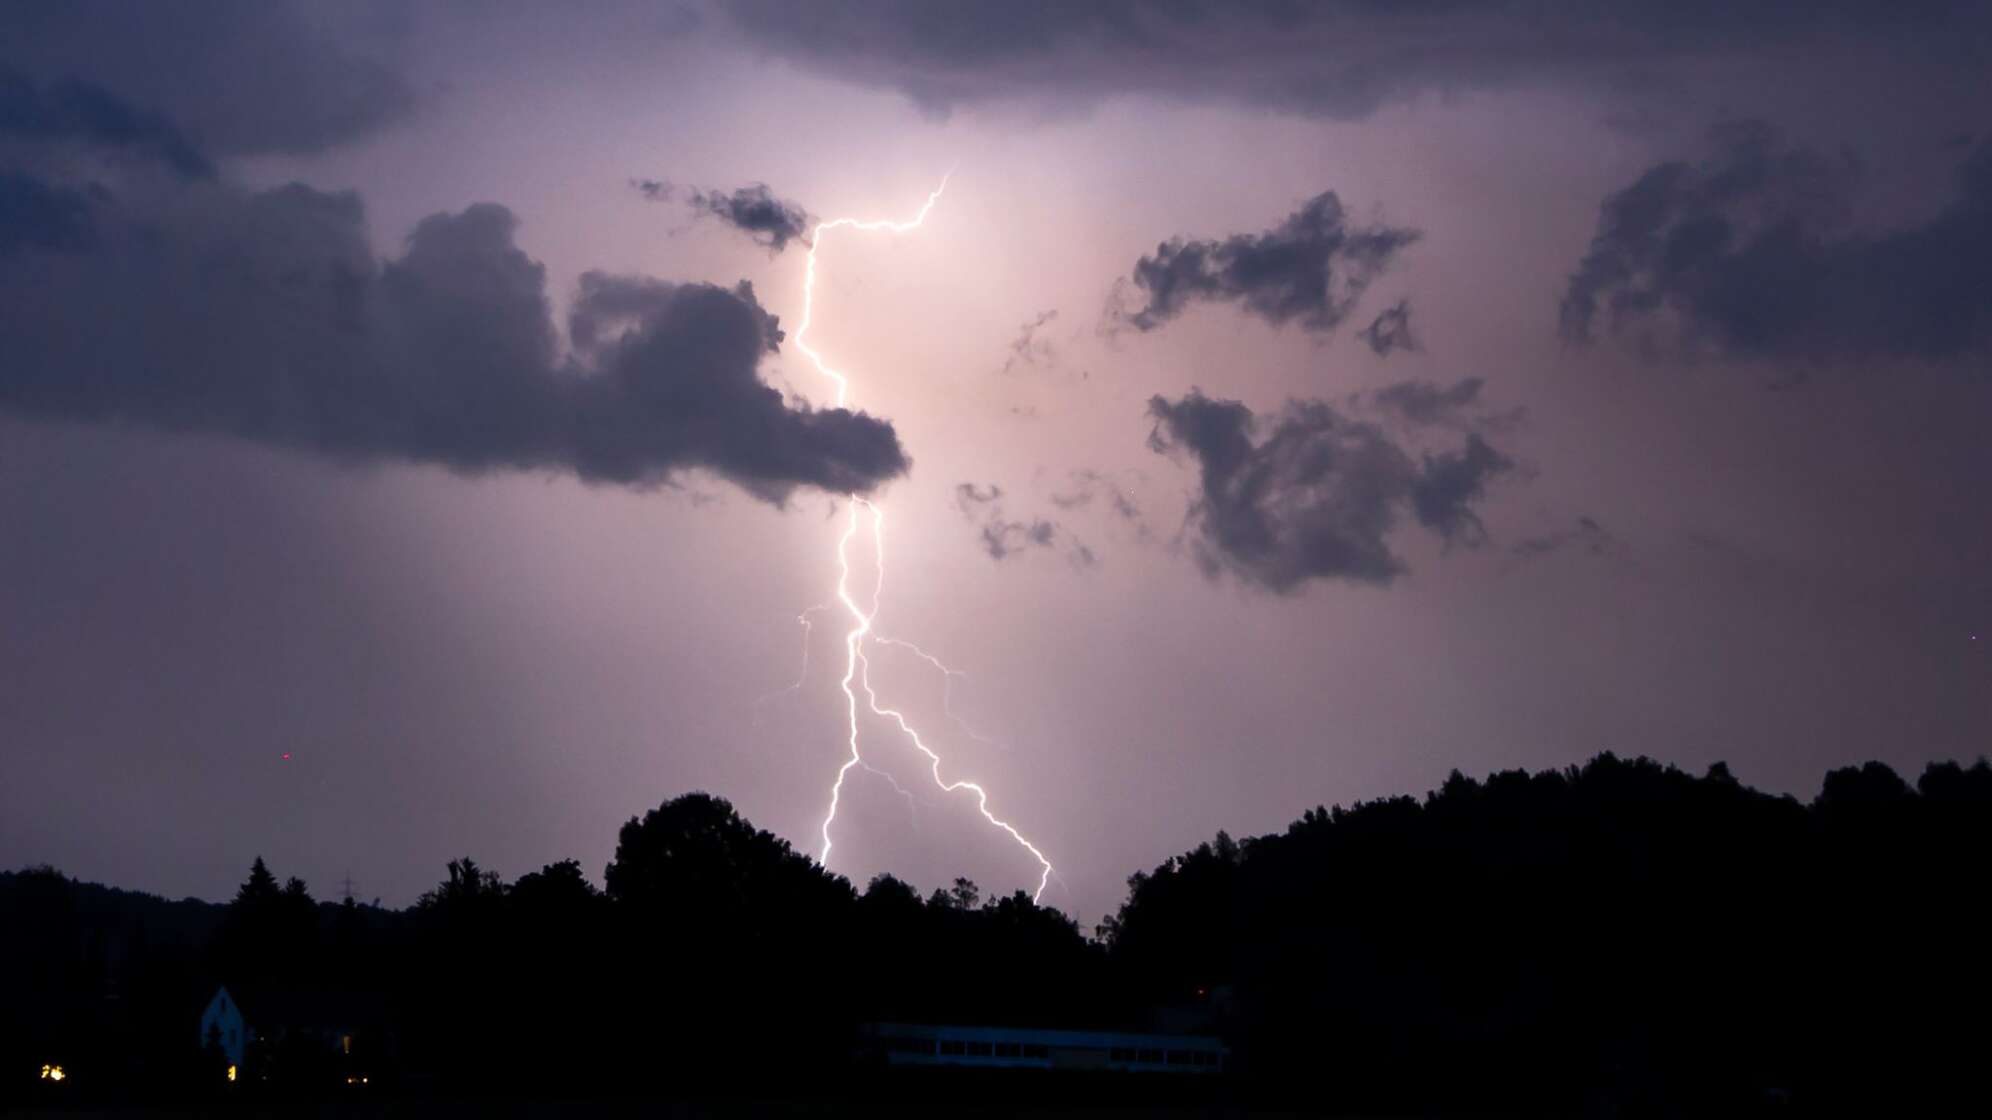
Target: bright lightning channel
(857,668)
(948,675)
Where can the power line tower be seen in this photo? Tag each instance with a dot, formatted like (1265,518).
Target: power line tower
(346,886)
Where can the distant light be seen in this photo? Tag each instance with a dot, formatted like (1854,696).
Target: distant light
(52,1073)
(231,1073)
(286,756)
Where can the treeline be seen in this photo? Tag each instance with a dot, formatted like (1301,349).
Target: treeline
(1607,936)
(1617,932)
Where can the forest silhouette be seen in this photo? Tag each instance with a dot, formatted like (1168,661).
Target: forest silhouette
(1620,936)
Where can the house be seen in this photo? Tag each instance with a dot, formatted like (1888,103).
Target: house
(248,1027)
(223,1027)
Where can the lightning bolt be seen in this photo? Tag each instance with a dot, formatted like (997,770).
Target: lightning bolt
(802,675)
(857,667)
(948,677)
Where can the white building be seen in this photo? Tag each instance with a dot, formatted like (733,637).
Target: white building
(222,1025)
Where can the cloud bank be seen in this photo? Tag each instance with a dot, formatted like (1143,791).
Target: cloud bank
(264,315)
(1747,254)
(239,77)
(1334,58)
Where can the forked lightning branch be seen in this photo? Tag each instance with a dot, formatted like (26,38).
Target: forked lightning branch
(857,667)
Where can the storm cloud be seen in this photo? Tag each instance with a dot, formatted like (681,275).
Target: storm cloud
(238,77)
(755,211)
(1312,268)
(70,111)
(1749,254)
(1311,493)
(264,315)
(1337,59)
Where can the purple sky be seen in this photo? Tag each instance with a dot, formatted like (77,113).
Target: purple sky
(291,471)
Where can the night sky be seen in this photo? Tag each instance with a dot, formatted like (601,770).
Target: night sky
(406,452)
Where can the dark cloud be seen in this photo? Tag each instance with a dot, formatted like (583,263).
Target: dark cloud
(1448,485)
(238,76)
(1311,268)
(73,111)
(1003,537)
(1428,402)
(1584,535)
(1340,59)
(1318,495)
(265,316)
(1088,485)
(1390,330)
(1748,253)
(755,211)
(968,495)
(1084,489)
(39,215)
(1030,348)
(653,190)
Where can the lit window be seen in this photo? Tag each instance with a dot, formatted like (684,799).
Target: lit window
(231,1073)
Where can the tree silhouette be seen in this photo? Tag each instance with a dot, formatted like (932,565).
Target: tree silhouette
(1620,936)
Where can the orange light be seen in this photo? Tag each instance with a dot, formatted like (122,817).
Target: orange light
(52,1073)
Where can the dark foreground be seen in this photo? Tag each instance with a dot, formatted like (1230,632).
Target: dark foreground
(1616,939)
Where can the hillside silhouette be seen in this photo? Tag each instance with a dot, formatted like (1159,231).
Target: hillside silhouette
(1620,937)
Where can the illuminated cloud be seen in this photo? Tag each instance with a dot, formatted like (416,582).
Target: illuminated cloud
(755,211)
(1310,269)
(1313,494)
(264,315)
